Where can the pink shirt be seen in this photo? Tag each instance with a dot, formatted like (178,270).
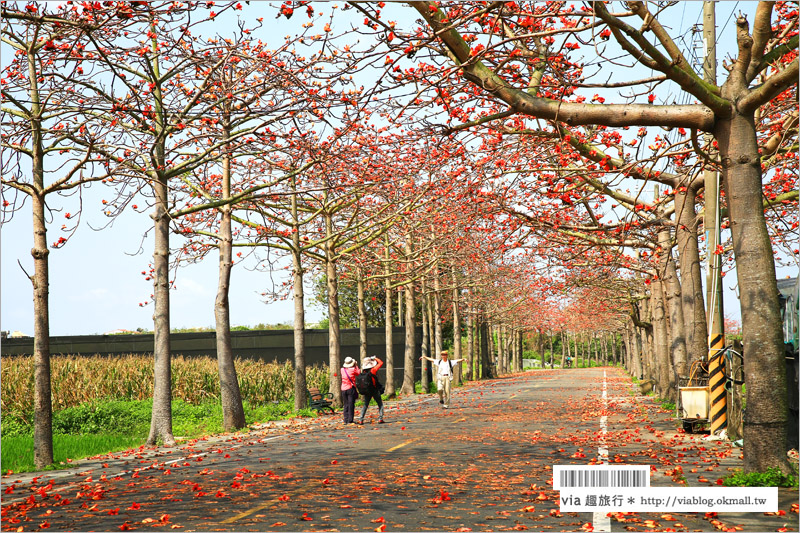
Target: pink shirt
(349,377)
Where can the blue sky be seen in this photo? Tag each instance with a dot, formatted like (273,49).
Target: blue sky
(96,283)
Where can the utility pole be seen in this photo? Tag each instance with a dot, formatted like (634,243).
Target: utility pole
(711,223)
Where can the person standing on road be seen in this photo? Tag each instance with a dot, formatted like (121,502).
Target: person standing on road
(371,365)
(349,393)
(444,375)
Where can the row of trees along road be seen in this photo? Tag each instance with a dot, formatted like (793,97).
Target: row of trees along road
(460,163)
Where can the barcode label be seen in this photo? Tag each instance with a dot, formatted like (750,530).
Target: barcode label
(592,476)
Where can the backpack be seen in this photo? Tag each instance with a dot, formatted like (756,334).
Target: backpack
(365,383)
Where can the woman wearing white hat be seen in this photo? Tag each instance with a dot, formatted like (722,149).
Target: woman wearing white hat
(370,366)
(349,393)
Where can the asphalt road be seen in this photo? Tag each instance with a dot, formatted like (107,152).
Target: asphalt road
(483,464)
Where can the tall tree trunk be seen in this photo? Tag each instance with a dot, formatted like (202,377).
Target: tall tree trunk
(540,345)
(626,345)
(470,341)
(426,335)
(400,312)
(614,348)
(672,290)
(664,373)
(486,366)
(388,326)
(491,348)
(334,330)
(766,417)
(161,420)
(230,395)
(551,350)
(437,314)
(694,313)
(569,351)
(299,308)
(411,329)
(42,399)
(646,338)
(636,353)
(42,402)
(362,316)
(456,330)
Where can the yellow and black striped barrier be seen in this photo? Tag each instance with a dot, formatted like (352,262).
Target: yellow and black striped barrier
(716,383)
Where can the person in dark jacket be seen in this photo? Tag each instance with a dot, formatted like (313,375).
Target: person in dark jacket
(372,365)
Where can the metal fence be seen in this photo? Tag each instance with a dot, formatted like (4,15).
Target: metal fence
(264,345)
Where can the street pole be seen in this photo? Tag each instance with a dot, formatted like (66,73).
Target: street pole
(711,223)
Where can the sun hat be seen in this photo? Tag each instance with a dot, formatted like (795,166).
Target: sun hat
(349,362)
(367,363)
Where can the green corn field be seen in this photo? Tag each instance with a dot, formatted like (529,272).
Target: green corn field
(79,379)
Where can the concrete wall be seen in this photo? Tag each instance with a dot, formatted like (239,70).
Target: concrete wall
(266,345)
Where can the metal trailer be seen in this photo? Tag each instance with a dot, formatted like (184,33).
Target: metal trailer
(694,399)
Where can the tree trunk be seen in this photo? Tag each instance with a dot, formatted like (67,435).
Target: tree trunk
(540,345)
(42,401)
(388,329)
(400,313)
(486,367)
(411,326)
(672,290)
(766,417)
(362,316)
(627,360)
(614,348)
(230,396)
(161,420)
(491,348)
(426,336)
(299,309)
(645,338)
(470,342)
(456,331)
(664,373)
(694,314)
(334,330)
(437,315)
(569,352)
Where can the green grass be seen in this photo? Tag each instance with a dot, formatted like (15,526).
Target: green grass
(771,478)
(431,387)
(17,452)
(103,427)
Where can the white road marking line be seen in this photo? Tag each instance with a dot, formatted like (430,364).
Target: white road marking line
(601,521)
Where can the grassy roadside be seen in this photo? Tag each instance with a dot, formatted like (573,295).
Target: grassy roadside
(97,428)
(102,427)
